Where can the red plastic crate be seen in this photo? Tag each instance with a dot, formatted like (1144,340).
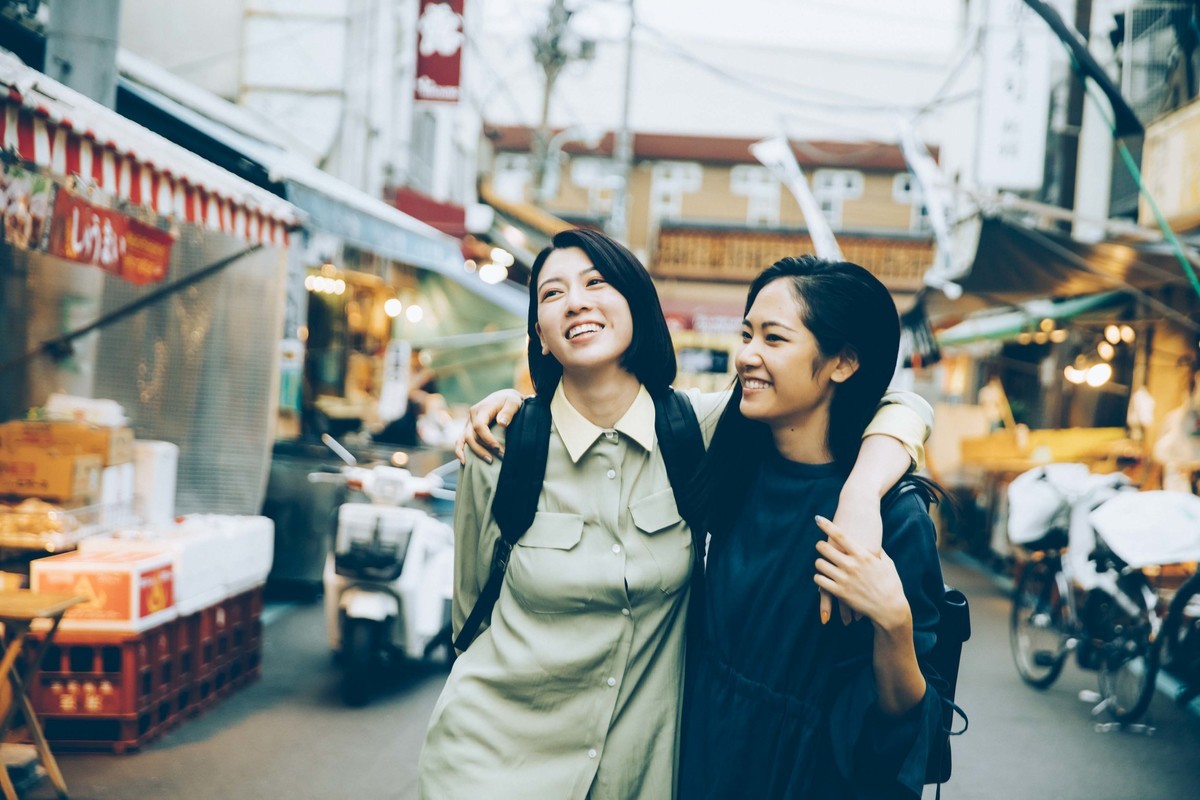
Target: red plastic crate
(116,734)
(92,673)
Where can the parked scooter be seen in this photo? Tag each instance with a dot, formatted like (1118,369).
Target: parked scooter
(389,579)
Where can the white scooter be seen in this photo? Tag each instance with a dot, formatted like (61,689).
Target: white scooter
(390,576)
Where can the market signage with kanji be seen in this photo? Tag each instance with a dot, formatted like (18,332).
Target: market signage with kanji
(439,50)
(120,245)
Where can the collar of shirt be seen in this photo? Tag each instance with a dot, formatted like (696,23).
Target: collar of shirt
(578,433)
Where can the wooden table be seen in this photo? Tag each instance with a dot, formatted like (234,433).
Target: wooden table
(18,611)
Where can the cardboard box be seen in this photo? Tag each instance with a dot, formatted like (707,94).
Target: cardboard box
(50,474)
(127,590)
(113,445)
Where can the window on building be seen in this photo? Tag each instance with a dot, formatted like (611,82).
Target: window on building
(600,177)
(511,176)
(906,191)
(669,182)
(832,188)
(761,190)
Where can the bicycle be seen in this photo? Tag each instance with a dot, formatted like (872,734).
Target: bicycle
(1111,622)
(1180,640)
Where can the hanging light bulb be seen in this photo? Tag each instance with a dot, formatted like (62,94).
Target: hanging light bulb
(493,273)
(1074,375)
(1098,374)
(1112,333)
(414,313)
(1058,336)
(1127,334)
(1106,350)
(392,307)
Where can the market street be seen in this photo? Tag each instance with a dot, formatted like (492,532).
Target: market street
(289,736)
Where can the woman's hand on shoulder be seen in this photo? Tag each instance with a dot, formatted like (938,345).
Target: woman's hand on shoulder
(862,579)
(498,407)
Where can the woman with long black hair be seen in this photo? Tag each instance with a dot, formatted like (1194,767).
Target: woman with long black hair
(777,704)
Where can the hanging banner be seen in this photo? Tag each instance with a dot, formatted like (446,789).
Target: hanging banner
(776,155)
(119,245)
(439,50)
(1015,105)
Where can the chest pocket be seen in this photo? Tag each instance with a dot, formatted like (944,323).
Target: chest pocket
(666,537)
(546,572)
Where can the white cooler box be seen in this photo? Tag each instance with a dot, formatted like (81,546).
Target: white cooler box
(248,547)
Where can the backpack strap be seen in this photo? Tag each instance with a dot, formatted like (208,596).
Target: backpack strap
(522,472)
(682,445)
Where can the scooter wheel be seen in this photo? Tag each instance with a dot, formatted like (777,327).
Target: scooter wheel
(360,646)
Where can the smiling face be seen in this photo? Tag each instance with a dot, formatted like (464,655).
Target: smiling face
(785,378)
(582,320)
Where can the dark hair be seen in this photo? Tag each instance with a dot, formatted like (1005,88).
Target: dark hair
(848,310)
(651,356)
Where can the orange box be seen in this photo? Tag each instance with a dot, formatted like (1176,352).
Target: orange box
(127,590)
(113,445)
(50,474)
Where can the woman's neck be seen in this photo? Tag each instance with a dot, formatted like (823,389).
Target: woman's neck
(804,438)
(601,399)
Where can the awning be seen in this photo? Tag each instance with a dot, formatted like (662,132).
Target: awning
(330,204)
(1015,262)
(522,229)
(67,134)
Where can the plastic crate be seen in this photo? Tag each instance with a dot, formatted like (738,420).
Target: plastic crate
(92,673)
(116,734)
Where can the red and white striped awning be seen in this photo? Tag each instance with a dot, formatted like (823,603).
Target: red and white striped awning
(68,134)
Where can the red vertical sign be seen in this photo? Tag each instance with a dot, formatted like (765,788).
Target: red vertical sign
(439,50)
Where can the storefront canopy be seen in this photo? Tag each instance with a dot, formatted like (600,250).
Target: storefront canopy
(331,205)
(68,134)
(1015,262)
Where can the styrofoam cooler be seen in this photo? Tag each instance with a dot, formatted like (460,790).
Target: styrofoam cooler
(248,546)
(197,556)
(155,465)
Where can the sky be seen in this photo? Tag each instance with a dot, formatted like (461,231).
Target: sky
(816,68)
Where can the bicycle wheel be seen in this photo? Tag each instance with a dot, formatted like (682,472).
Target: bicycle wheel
(1181,633)
(1036,627)
(1128,662)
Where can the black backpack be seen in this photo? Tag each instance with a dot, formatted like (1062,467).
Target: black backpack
(524,469)
(953,628)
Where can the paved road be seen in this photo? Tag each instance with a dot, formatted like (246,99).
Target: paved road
(288,736)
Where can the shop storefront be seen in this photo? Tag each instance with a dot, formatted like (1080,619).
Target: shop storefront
(102,219)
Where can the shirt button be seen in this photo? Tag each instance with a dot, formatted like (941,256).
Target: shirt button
(612,681)
(625,612)
(592,753)
(616,548)
(612,473)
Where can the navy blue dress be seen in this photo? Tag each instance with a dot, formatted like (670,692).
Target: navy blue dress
(777,705)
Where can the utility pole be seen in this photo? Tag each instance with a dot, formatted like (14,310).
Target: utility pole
(81,47)
(551,53)
(618,223)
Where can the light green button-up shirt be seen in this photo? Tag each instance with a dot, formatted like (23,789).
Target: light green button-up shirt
(573,691)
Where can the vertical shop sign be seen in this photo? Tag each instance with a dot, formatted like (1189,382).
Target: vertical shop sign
(1015,106)
(439,50)
(125,247)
